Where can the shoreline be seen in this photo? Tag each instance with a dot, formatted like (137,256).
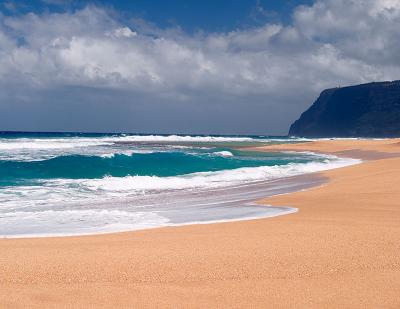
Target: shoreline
(228,203)
(339,250)
(246,201)
(365,149)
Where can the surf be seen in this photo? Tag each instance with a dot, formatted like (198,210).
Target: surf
(72,184)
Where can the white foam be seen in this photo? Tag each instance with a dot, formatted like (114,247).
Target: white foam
(211,179)
(57,191)
(79,142)
(42,210)
(38,149)
(223,153)
(69,222)
(183,138)
(49,143)
(73,142)
(125,153)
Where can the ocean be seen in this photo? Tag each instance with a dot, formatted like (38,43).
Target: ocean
(59,184)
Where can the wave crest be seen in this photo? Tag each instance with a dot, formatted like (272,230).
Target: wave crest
(212,179)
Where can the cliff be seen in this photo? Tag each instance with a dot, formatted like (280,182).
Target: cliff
(367,110)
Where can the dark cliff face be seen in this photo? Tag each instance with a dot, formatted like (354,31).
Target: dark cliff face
(367,110)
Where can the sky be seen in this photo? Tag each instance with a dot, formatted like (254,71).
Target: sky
(186,66)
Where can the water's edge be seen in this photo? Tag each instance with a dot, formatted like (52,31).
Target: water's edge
(239,203)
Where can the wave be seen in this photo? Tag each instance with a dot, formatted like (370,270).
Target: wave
(57,191)
(223,153)
(67,143)
(141,162)
(183,138)
(87,206)
(159,163)
(44,148)
(72,142)
(123,153)
(51,143)
(212,179)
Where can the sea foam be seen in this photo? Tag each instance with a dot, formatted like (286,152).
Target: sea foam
(71,191)
(211,179)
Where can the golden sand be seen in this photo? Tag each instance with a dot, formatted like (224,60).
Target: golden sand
(341,250)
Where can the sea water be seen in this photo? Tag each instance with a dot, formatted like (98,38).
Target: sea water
(73,183)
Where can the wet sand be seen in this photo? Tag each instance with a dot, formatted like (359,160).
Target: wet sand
(341,250)
(353,148)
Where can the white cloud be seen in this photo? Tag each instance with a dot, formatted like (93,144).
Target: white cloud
(123,32)
(330,42)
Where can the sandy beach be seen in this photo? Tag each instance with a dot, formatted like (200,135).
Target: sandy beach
(341,250)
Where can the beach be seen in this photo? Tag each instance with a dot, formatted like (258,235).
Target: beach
(340,250)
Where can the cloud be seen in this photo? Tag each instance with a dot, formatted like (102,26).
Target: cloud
(273,70)
(122,32)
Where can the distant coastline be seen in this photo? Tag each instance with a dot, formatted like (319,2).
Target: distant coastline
(366,110)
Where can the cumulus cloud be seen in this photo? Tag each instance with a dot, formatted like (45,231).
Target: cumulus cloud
(220,82)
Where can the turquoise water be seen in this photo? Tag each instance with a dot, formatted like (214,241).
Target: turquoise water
(159,163)
(73,183)
(25,158)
